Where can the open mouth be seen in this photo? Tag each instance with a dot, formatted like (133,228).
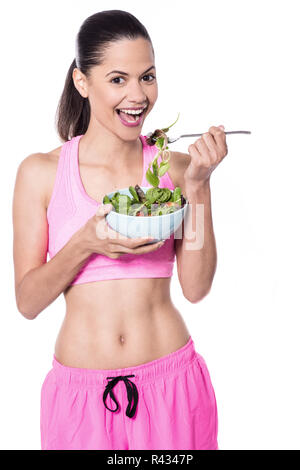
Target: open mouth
(131,118)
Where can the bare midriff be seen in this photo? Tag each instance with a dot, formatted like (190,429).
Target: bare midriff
(119,323)
(115,323)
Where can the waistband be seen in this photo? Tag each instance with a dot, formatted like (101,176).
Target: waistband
(165,365)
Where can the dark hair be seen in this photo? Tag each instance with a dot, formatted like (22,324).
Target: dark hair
(94,37)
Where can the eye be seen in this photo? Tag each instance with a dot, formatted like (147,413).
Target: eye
(117,78)
(121,78)
(150,75)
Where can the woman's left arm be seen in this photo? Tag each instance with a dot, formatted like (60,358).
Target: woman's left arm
(196,249)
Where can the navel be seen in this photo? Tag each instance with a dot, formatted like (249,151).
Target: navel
(122,339)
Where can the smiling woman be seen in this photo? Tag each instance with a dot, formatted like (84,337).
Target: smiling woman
(120,323)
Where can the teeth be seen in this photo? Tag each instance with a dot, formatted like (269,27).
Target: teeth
(132,111)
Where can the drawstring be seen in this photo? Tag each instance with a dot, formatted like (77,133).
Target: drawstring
(132,393)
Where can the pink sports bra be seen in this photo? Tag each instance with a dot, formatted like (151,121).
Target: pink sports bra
(70,207)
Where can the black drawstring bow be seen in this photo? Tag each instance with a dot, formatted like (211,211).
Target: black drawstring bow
(131,389)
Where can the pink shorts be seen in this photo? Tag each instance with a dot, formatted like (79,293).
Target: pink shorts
(168,403)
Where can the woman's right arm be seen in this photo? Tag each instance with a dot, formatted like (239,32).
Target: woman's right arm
(38,282)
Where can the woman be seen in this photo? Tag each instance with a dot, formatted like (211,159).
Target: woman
(120,323)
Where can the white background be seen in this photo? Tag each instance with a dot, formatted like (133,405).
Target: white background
(233,63)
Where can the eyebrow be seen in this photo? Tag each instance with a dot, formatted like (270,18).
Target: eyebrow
(124,73)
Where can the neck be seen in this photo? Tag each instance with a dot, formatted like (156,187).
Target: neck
(101,146)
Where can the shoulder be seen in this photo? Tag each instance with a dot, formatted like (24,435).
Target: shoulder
(178,164)
(38,171)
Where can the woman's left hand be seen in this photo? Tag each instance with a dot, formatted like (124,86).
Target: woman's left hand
(206,154)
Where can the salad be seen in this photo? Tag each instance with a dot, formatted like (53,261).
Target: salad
(156,200)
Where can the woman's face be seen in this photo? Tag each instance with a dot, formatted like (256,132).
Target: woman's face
(136,87)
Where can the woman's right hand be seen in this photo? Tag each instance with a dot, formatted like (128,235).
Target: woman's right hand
(96,236)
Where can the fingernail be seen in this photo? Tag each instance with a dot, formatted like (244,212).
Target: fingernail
(222,127)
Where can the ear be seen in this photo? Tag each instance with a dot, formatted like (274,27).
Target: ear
(80,82)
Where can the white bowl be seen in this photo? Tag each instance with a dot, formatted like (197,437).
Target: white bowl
(159,227)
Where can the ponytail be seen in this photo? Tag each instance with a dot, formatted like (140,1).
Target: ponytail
(73,111)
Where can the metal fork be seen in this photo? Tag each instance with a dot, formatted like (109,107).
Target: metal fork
(173,139)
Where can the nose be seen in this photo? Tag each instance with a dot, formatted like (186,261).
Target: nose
(136,94)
